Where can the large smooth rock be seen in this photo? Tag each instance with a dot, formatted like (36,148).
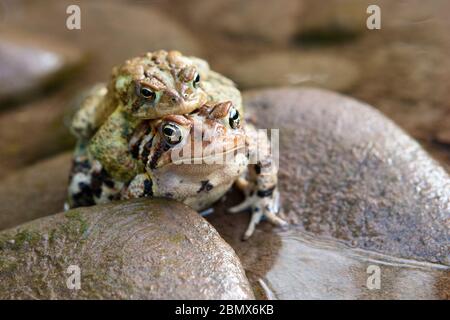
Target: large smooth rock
(358,191)
(294,69)
(144,249)
(348,172)
(35,191)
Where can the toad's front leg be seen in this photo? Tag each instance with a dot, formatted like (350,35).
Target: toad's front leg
(140,186)
(262,196)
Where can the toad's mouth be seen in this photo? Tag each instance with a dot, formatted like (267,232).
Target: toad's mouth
(222,157)
(225,157)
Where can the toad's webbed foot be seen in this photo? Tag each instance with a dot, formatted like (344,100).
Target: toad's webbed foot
(262,197)
(261,207)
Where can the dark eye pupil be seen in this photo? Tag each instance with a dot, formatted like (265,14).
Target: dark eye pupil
(168,131)
(147,93)
(196,79)
(234,118)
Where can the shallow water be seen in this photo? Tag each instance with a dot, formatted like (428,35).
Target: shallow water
(306,267)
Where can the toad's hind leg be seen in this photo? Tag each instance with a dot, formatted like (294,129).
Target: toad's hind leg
(89,183)
(261,187)
(263,197)
(80,191)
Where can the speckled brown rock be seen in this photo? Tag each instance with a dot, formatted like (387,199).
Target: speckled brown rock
(144,249)
(349,173)
(35,191)
(294,69)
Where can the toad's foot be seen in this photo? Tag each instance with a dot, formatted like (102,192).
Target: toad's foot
(265,203)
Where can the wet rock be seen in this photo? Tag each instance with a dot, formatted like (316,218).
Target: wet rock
(295,264)
(257,254)
(35,191)
(295,68)
(249,20)
(34,131)
(358,191)
(110,31)
(145,249)
(348,172)
(28,66)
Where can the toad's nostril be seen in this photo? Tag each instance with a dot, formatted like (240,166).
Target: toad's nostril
(173,96)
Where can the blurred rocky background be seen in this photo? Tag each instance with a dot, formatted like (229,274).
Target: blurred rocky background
(403,70)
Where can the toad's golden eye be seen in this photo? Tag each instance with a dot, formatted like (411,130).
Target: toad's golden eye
(145,92)
(234,118)
(196,80)
(172,133)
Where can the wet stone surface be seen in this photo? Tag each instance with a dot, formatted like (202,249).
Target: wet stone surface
(359,192)
(308,267)
(348,172)
(144,249)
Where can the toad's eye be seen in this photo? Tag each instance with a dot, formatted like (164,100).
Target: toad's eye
(234,118)
(196,80)
(172,133)
(146,93)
